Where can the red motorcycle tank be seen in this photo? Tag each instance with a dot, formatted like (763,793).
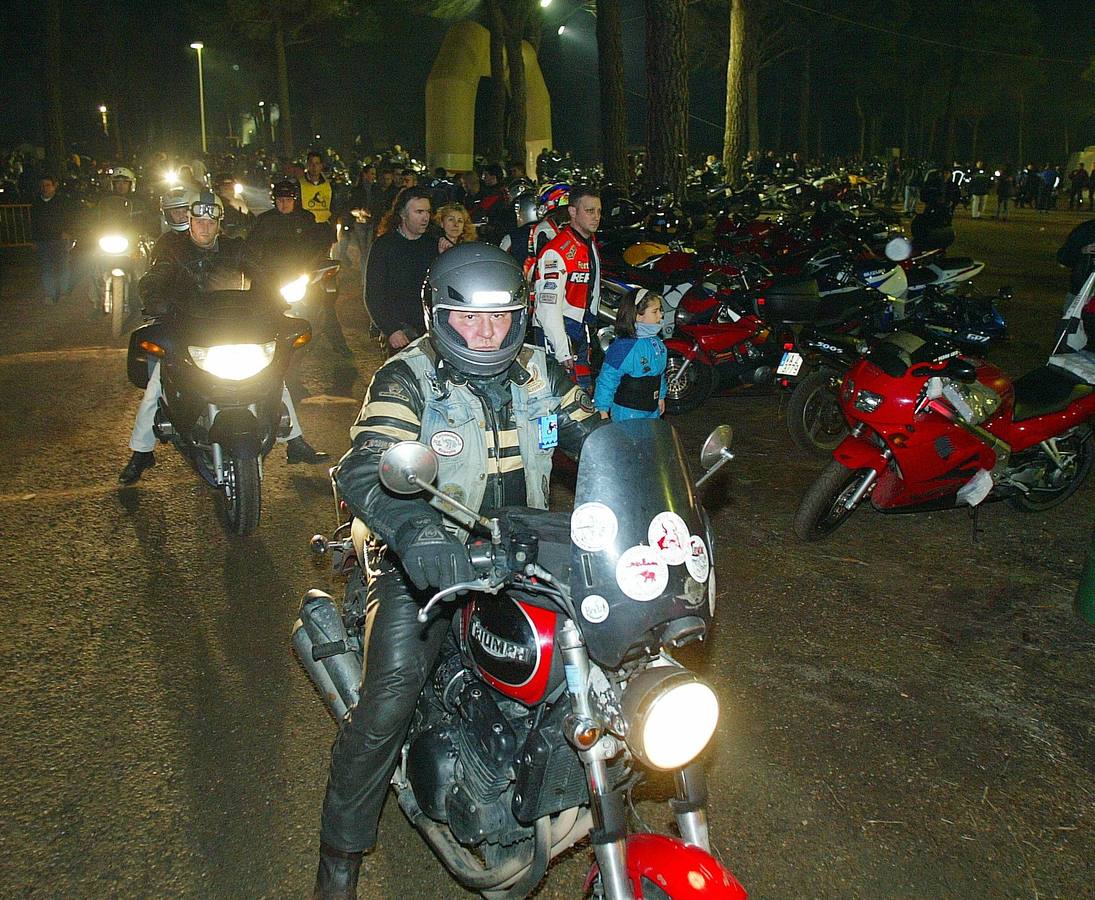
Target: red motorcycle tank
(510,644)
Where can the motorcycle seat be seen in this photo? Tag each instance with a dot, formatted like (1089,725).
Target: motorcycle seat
(1047,390)
(835,308)
(919,275)
(954,262)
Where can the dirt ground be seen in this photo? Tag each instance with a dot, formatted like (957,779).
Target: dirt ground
(908,707)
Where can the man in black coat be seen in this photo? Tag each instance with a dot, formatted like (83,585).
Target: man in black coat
(50,221)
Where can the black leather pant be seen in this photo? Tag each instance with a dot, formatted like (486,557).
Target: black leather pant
(399,656)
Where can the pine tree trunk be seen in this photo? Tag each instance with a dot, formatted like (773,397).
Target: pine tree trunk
(1022,115)
(667,94)
(862,125)
(952,98)
(733,140)
(517,118)
(804,105)
(496,104)
(974,138)
(751,78)
(610,62)
(54,99)
(285,116)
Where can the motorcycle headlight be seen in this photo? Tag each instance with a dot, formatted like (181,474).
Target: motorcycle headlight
(114,244)
(295,290)
(671,715)
(233,362)
(868,401)
(237,190)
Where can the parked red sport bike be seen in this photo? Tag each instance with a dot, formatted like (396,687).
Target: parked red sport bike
(932,429)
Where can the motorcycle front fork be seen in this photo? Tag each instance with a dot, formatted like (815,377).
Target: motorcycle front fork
(218,452)
(608,805)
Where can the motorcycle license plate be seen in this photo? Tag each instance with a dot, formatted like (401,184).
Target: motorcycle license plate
(790,364)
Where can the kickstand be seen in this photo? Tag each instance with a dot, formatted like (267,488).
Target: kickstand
(975,529)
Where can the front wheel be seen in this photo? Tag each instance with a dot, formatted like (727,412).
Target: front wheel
(823,510)
(240,500)
(1058,480)
(118,290)
(814,418)
(687,388)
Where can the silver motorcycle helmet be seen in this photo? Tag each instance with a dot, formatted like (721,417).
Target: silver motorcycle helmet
(524,207)
(175,208)
(475,277)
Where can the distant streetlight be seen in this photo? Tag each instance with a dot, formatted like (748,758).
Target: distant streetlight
(545,3)
(102,115)
(562,28)
(198,45)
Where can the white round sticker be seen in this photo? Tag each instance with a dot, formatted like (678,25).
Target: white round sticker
(595,608)
(668,535)
(641,573)
(447,443)
(698,562)
(593,526)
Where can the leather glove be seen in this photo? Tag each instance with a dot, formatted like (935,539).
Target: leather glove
(431,556)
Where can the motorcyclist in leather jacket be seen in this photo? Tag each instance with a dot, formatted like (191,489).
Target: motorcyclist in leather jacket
(493,409)
(186,265)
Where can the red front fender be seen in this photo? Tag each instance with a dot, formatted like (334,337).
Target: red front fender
(859,453)
(682,871)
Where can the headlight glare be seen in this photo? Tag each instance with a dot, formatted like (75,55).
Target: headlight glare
(295,290)
(114,244)
(233,362)
(671,715)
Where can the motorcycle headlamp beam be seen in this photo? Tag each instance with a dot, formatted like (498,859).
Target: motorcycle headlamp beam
(114,244)
(294,291)
(671,715)
(233,362)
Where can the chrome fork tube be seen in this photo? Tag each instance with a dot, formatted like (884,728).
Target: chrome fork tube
(690,806)
(609,834)
(218,456)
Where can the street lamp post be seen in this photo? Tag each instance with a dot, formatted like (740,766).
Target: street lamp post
(198,45)
(102,115)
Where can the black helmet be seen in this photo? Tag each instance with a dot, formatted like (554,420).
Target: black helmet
(287,187)
(475,277)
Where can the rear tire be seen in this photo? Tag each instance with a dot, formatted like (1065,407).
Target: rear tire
(814,418)
(241,512)
(694,389)
(1079,452)
(822,511)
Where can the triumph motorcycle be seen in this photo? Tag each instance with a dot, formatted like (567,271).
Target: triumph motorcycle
(558,687)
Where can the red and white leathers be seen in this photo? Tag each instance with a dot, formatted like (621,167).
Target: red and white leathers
(567,293)
(544,231)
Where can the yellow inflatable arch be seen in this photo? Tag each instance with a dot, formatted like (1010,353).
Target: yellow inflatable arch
(463,59)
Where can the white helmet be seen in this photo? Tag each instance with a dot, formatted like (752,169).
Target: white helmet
(175,208)
(120,172)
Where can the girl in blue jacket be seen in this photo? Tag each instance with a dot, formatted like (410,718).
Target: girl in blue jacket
(632,380)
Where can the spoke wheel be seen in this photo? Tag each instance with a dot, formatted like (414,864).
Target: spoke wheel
(822,510)
(814,418)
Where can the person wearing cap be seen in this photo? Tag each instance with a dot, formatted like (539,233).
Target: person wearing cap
(186,264)
(494,408)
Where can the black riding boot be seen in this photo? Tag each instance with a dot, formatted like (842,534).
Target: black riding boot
(336,878)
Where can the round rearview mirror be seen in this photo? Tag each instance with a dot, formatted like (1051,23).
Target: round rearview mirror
(898,249)
(406,466)
(719,440)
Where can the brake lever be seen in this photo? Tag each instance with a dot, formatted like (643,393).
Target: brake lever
(480,585)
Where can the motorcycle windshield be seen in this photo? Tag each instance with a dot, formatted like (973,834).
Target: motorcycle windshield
(230,317)
(641,553)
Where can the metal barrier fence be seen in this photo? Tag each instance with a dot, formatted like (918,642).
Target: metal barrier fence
(15,225)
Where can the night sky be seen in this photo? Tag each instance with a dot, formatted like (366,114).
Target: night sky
(377,90)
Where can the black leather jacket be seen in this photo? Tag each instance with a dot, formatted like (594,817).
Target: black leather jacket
(181,271)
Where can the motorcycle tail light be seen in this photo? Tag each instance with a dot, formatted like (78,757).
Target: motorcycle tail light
(788,345)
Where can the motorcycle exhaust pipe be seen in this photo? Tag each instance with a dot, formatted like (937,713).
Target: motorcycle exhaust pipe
(324,649)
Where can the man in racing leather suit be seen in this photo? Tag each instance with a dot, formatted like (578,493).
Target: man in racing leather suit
(567,286)
(493,409)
